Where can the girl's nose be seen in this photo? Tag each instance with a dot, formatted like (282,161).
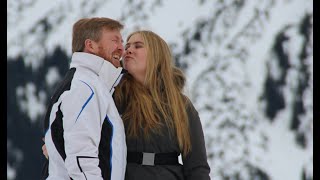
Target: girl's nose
(128,51)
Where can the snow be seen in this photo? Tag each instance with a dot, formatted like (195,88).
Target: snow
(31,103)
(11,173)
(283,154)
(52,76)
(249,29)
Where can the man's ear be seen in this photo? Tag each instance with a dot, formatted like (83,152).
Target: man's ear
(90,46)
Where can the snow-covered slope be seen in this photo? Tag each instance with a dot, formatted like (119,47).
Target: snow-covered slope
(249,67)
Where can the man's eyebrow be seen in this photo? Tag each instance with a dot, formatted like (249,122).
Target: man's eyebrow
(118,38)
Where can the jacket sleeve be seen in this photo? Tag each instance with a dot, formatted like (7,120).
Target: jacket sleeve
(195,164)
(82,131)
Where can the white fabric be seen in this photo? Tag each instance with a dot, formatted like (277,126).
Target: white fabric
(85,107)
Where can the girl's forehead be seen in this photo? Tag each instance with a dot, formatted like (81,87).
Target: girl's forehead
(135,37)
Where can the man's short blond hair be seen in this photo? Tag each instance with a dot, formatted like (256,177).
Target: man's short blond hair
(91,28)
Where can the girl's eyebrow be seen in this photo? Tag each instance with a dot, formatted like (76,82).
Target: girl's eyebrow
(137,42)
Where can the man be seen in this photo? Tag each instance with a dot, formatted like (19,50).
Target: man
(84,134)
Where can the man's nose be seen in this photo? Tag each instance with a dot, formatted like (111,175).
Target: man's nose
(120,47)
(121,50)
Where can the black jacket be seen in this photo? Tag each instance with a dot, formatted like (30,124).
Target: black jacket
(195,165)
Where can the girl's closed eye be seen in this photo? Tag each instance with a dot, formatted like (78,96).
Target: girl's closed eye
(138,46)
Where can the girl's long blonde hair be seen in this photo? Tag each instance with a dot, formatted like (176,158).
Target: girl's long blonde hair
(159,101)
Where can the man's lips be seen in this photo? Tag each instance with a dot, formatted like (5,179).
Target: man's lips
(116,56)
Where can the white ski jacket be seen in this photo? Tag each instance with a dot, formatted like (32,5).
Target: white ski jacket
(85,136)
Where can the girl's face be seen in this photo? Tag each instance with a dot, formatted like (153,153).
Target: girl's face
(135,57)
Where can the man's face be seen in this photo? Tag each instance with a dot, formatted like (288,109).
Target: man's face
(110,46)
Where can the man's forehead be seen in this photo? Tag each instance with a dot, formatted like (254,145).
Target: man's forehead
(115,33)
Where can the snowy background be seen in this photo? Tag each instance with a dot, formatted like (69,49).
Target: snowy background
(249,68)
